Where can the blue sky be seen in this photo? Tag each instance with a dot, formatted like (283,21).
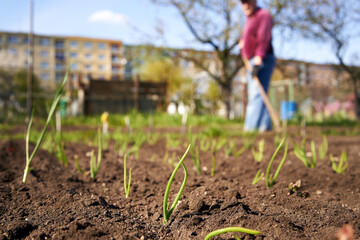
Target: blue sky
(133,22)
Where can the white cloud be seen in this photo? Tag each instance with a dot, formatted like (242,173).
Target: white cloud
(107,16)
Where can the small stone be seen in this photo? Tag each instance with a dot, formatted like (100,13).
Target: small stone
(318,192)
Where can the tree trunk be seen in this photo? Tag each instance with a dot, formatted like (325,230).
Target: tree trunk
(357,106)
(227,100)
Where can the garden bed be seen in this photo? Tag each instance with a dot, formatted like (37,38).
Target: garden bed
(59,202)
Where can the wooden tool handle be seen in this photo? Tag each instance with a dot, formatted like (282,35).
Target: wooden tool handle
(265,98)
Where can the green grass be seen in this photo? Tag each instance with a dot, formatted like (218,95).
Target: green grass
(139,120)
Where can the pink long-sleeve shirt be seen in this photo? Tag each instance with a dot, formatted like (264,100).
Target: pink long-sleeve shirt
(257,34)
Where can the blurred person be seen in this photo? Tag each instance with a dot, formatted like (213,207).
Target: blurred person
(256,46)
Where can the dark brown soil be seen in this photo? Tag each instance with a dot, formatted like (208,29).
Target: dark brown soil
(60,203)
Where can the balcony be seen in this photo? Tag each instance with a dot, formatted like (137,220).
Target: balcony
(60,57)
(59,44)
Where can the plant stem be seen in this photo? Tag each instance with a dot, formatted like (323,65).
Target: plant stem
(231,229)
(168,212)
(270,180)
(126,186)
(40,139)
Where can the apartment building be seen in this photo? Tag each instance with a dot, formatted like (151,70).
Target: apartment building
(312,74)
(111,60)
(90,58)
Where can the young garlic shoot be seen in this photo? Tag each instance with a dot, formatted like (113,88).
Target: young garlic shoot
(60,151)
(271,179)
(231,229)
(95,163)
(80,170)
(259,175)
(229,149)
(194,150)
(127,184)
(215,147)
(197,161)
(54,104)
(342,164)
(204,144)
(183,123)
(127,123)
(168,211)
(301,154)
(258,155)
(323,149)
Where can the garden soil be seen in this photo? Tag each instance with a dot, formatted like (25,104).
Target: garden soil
(59,202)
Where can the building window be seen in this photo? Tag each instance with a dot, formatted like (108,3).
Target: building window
(88,45)
(74,66)
(44,65)
(74,44)
(59,55)
(186,64)
(88,56)
(115,59)
(115,49)
(0,40)
(101,57)
(45,76)
(27,52)
(101,46)
(114,70)
(44,54)
(59,66)
(13,39)
(44,42)
(59,77)
(73,55)
(13,51)
(88,67)
(101,67)
(59,44)
(26,40)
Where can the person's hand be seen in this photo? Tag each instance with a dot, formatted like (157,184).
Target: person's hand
(257,65)
(258,61)
(255,70)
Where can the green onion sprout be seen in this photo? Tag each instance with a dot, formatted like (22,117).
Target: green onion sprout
(126,184)
(231,229)
(42,135)
(271,179)
(168,211)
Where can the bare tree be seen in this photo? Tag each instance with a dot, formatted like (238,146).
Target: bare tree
(217,24)
(329,21)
